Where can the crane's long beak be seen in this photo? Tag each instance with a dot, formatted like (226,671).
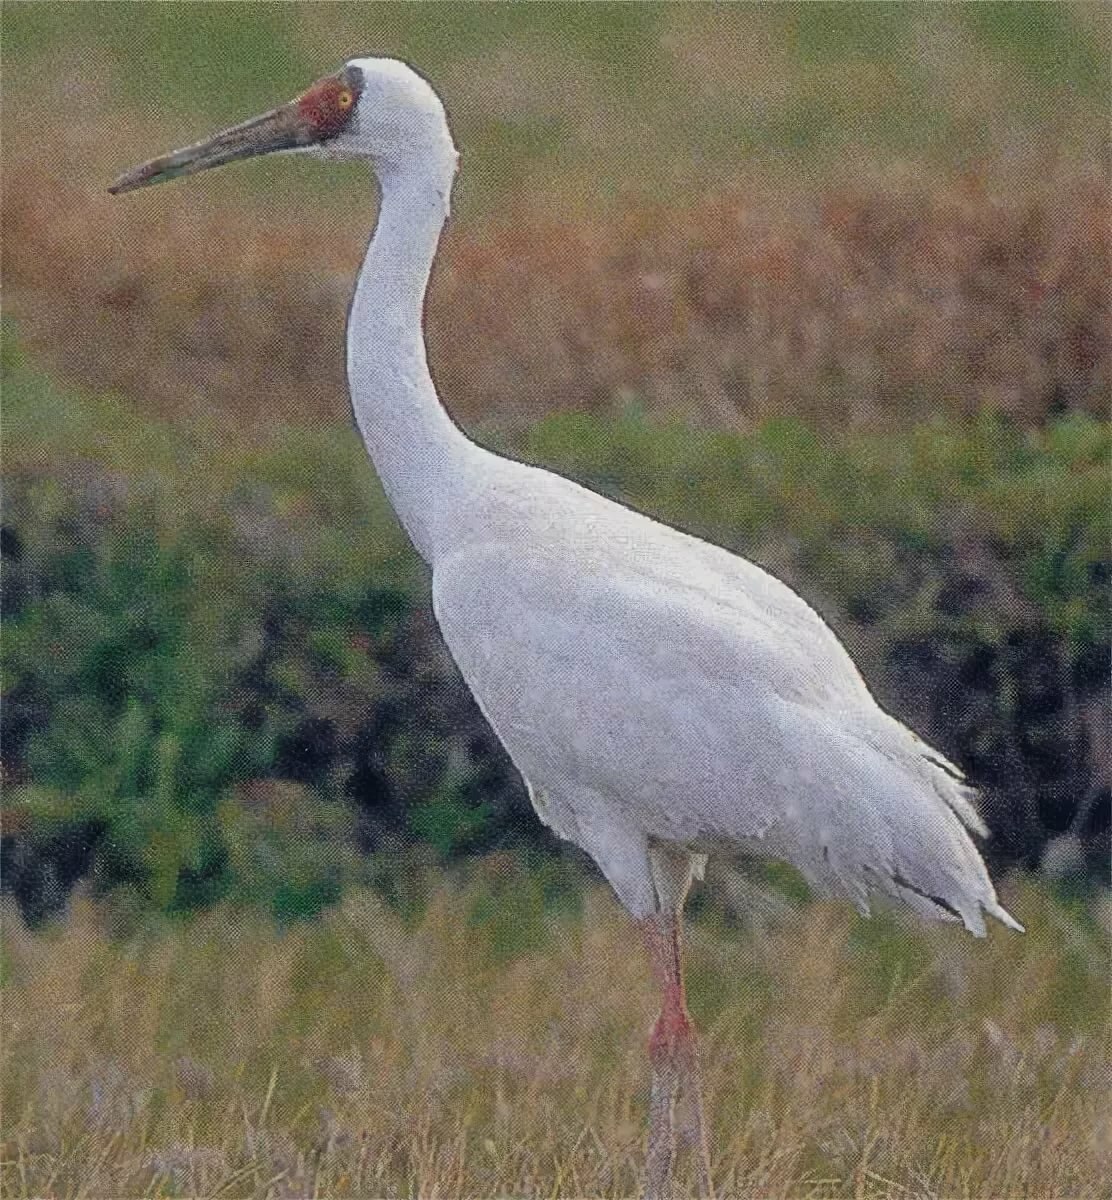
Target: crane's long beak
(285,128)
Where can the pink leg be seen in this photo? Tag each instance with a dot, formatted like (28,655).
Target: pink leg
(675,1065)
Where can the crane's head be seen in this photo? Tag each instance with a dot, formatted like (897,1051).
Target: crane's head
(375,108)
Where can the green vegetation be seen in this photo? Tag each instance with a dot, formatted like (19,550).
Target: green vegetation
(493,1044)
(221,677)
(162,642)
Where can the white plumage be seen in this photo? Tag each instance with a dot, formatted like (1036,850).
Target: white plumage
(663,698)
(651,687)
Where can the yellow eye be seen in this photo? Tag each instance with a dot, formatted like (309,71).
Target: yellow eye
(344,99)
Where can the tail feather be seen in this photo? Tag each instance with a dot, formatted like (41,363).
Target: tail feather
(1003,916)
(939,872)
(949,881)
(897,818)
(947,781)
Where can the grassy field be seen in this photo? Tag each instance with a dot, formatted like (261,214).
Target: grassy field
(826,283)
(856,213)
(571,104)
(493,1044)
(847,305)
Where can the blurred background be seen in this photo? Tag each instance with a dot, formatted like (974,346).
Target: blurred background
(825,284)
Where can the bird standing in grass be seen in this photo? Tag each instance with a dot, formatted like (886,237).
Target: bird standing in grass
(663,698)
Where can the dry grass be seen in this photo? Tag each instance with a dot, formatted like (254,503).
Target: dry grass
(907,209)
(454,1056)
(851,304)
(867,214)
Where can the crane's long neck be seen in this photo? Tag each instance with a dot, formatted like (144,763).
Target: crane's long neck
(419,453)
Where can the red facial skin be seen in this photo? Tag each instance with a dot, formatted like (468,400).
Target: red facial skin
(321,106)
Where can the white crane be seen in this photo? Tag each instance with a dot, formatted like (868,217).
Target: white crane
(663,698)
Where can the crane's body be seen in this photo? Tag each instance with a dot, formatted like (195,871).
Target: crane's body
(652,688)
(663,698)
